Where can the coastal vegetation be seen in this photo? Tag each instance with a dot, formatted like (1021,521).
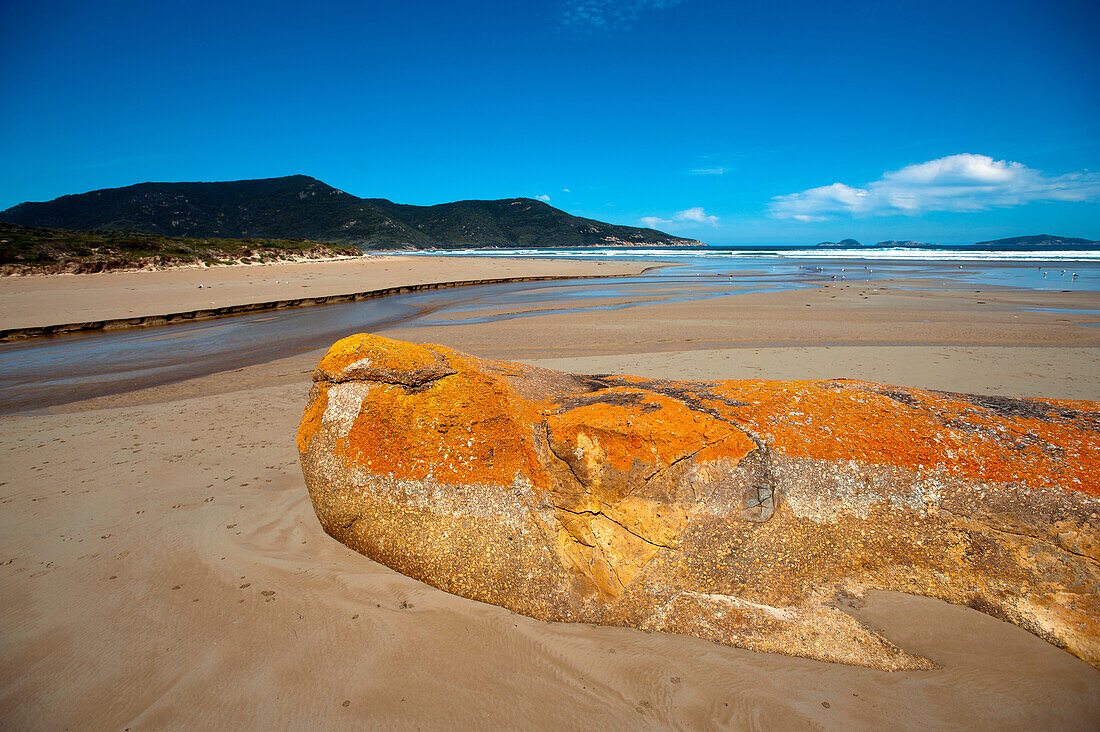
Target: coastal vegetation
(36,250)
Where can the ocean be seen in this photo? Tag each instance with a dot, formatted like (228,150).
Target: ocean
(1050,269)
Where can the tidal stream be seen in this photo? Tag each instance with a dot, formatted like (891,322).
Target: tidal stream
(54,370)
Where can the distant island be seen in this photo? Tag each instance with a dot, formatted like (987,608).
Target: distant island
(1035,241)
(1039,241)
(299,207)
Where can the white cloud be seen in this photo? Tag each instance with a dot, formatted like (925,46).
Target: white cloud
(543,197)
(709,171)
(602,15)
(955,183)
(687,218)
(696,215)
(565,190)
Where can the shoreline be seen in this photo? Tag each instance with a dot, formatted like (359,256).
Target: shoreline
(51,301)
(998,341)
(190,316)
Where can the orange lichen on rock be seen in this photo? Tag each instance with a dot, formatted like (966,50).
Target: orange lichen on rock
(466,428)
(311,420)
(649,427)
(737,511)
(634,432)
(383,355)
(1028,442)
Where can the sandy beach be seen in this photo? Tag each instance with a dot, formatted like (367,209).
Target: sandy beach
(39,300)
(162,565)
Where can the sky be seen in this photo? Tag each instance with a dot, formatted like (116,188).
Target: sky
(775,122)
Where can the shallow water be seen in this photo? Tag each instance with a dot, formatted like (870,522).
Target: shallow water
(59,369)
(1036,270)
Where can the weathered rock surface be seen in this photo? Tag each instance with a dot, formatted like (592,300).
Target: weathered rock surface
(750,513)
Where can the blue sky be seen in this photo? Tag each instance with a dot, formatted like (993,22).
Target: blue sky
(736,123)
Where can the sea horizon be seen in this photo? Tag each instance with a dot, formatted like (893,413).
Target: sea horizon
(955,252)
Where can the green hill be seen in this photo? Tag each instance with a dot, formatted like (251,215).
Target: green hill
(300,207)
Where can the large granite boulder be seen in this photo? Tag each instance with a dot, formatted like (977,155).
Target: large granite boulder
(751,513)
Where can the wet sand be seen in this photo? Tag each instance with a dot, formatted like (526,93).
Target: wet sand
(997,341)
(161,564)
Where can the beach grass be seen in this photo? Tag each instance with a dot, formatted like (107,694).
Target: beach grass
(31,249)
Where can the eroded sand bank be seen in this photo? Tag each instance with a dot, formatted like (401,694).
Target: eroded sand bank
(161,564)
